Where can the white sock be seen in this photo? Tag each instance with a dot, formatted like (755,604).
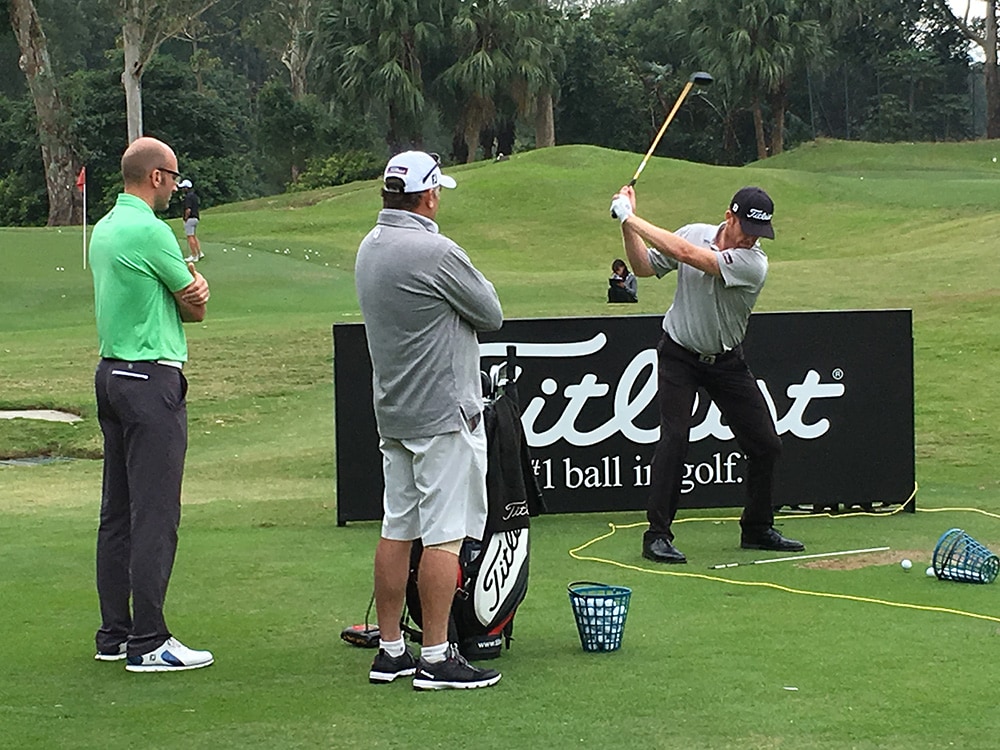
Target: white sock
(395,649)
(434,654)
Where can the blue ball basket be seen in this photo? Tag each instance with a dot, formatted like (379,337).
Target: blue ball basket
(600,611)
(959,557)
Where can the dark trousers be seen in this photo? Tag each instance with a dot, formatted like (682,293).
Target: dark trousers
(731,385)
(143,415)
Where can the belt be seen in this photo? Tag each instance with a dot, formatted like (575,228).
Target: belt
(705,359)
(166,362)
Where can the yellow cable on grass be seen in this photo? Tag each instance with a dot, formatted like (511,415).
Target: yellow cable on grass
(575,554)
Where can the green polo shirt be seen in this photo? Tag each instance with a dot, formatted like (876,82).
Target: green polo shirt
(137,266)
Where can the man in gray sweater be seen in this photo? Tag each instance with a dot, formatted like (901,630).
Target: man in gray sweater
(423,302)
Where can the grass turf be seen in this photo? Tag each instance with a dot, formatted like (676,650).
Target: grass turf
(266,579)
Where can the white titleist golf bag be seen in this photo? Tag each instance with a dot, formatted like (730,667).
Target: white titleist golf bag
(493,571)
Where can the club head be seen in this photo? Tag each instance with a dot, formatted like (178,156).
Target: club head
(701,78)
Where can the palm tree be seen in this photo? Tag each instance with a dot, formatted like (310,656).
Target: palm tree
(755,48)
(507,58)
(539,61)
(483,34)
(373,50)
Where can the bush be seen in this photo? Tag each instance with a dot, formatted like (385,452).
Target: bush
(339,169)
(22,204)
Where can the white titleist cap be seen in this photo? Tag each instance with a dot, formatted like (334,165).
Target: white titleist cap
(415,172)
(184,184)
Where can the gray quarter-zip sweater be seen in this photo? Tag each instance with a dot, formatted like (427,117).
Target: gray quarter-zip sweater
(423,302)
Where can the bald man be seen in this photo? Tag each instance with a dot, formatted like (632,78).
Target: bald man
(143,292)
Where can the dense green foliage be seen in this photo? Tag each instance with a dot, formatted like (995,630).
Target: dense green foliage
(253,93)
(339,169)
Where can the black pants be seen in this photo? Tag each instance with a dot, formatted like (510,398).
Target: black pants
(143,416)
(733,388)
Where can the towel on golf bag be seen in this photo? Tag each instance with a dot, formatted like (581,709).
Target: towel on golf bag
(493,572)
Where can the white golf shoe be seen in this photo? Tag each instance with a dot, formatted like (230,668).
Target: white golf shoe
(172,656)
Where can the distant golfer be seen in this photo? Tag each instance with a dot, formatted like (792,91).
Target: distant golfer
(720,272)
(143,291)
(423,302)
(191,217)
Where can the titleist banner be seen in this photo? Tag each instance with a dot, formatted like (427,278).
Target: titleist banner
(839,386)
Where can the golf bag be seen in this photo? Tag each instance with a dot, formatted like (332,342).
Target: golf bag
(493,572)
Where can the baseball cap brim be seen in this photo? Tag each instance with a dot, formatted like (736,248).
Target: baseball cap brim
(446,181)
(757,228)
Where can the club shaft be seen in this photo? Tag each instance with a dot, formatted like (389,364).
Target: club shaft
(663,129)
(800,557)
(820,554)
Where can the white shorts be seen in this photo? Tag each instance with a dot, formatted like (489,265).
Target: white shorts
(435,487)
(190,227)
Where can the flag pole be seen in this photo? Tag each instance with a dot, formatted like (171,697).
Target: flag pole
(84,226)
(81,185)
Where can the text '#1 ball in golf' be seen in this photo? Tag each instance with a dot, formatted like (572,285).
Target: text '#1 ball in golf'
(906,564)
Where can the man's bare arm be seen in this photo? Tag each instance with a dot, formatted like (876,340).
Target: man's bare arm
(191,300)
(676,247)
(637,232)
(635,250)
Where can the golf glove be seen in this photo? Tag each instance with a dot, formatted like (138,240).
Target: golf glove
(621,208)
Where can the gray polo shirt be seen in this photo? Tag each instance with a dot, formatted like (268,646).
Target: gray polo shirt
(709,314)
(423,302)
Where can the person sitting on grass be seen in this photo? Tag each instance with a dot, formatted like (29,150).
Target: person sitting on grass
(623,286)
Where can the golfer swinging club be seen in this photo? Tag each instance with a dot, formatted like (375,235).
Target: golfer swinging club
(720,272)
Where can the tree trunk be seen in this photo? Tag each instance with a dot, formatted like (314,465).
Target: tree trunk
(758,129)
(471,140)
(459,151)
(487,137)
(59,155)
(545,128)
(992,75)
(132,28)
(506,137)
(778,106)
(987,40)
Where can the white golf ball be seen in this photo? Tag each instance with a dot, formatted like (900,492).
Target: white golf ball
(906,564)
(930,571)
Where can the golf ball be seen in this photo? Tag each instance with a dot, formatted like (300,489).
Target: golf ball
(930,571)
(906,564)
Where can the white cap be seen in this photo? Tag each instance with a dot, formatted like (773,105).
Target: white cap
(418,171)
(184,184)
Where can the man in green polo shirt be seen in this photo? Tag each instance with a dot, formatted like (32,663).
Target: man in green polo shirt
(143,291)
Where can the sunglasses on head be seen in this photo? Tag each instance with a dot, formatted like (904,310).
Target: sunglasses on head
(437,165)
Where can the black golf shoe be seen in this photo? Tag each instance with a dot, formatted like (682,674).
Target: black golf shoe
(387,668)
(770,540)
(662,551)
(453,673)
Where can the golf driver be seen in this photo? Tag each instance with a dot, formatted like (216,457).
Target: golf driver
(702,79)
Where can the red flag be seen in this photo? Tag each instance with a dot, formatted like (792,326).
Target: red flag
(81,179)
